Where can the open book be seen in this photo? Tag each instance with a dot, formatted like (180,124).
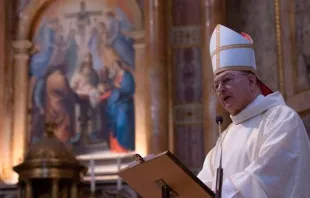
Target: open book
(156,175)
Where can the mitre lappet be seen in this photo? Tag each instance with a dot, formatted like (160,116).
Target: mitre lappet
(230,50)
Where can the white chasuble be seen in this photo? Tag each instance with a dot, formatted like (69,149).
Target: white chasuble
(266,153)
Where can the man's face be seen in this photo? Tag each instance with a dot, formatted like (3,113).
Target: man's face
(233,90)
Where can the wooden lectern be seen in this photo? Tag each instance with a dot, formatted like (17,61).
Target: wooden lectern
(163,175)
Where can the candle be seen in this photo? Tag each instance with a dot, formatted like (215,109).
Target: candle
(92,176)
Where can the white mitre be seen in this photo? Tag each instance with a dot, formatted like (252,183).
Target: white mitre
(230,50)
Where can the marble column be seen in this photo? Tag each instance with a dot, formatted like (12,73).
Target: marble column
(141,97)
(20,64)
(184,17)
(2,59)
(2,75)
(213,13)
(155,36)
(6,92)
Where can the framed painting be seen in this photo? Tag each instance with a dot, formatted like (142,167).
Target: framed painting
(82,66)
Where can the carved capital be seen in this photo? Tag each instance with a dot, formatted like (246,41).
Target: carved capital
(21,49)
(21,56)
(138,36)
(21,46)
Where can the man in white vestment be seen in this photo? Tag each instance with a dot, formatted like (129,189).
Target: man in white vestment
(266,150)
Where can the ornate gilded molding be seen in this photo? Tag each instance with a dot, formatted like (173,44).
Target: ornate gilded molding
(279,46)
(189,35)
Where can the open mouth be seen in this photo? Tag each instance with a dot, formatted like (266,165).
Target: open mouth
(226,98)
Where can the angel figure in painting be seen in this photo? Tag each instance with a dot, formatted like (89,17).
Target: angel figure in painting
(51,47)
(44,42)
(109,42)
(103,54)
(117,30)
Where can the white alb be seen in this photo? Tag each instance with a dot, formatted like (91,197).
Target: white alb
(266,153)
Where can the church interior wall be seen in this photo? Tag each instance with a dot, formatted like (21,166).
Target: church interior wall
(257,18)
(295,38)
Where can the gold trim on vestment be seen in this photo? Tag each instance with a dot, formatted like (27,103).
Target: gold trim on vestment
(233,46)
(280,67)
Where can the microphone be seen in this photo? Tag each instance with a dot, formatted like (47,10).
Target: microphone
(219,172)
(219,119)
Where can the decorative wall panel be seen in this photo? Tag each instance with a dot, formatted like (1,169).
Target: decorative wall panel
(295,27)
(185,48)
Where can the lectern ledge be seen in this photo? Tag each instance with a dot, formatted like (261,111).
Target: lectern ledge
(163,175)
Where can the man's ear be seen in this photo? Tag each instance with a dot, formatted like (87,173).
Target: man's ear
(252,81)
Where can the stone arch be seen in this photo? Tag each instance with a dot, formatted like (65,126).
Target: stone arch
(28,15)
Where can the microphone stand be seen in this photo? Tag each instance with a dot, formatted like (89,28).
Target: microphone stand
(219,172)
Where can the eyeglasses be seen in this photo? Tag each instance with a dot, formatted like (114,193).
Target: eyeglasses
(226,80)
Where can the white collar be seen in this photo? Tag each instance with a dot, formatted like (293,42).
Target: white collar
(258,106)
